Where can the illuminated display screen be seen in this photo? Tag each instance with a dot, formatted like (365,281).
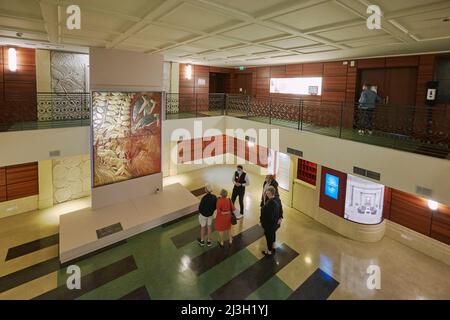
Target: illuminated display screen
(305,86)
(331,186)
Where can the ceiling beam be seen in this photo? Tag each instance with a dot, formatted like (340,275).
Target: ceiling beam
(152,15)
(49,11)
(421,9)
(106,12)
(263,20)
(360,9)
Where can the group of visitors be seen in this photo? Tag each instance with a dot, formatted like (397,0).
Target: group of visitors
(227,215)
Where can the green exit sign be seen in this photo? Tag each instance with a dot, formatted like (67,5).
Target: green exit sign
(241,68)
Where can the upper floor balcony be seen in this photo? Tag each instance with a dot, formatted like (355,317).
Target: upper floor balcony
(50,110)
(418,129)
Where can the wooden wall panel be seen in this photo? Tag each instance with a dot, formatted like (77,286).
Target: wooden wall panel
(294,70)
(278,72)
(387,203)
(186,90)
(334,69)
(408,61)
(3,196)
(263,72)
(427,64)
(20,91)
(337,83)
(352,81)
(440,225)
(263,86)
(335,96)
(425,74)
(372,63)
(22,173)
(22,189)
(18,99)
(26,74)
(19,181)
(219,70)
(312,69)
(410,211)
(199,83)
(3,176)
(25,56)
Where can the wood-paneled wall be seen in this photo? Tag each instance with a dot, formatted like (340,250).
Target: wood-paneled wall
(196,149)
(18,100)
(19,181)
(412,212)
(199,83)
(339,78)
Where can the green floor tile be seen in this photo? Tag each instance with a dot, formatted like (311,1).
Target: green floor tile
(274,289)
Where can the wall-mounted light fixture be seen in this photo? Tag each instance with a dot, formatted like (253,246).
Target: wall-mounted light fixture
(12,59)
(188,72)
(433,205)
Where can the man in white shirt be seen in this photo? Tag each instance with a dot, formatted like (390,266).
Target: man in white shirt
(240,181)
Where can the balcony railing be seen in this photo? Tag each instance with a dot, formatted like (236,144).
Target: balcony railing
(418,129)
(51,110)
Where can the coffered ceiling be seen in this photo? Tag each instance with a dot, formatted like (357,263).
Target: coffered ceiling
(233,32)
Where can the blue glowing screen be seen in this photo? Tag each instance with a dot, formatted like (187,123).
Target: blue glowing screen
(331,186)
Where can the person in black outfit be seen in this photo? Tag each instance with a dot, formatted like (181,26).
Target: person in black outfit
(270,218)
(206,211)
(269,181)
(240,180)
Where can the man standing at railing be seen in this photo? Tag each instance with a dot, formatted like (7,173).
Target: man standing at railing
(369,98)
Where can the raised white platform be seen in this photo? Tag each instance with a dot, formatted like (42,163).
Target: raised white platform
(77,230)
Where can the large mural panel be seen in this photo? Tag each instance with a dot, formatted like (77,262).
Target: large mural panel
(126,135)
(71,178)
(69,71)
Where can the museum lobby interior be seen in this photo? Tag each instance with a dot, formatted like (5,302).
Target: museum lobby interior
(116,117)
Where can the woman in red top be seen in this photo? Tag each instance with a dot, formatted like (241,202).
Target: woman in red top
(223,218)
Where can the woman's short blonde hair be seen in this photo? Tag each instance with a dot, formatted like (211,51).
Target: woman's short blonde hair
(223,193)
(271,190)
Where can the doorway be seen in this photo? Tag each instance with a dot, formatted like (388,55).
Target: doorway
(397,89)
(244,83)
(219,82)
(397,86)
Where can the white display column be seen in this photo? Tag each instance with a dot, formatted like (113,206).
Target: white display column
(124,73)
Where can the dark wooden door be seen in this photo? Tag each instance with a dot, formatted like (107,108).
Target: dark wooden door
(219,82)
(244,83)
(397,88)
(375,77)
(400,86)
